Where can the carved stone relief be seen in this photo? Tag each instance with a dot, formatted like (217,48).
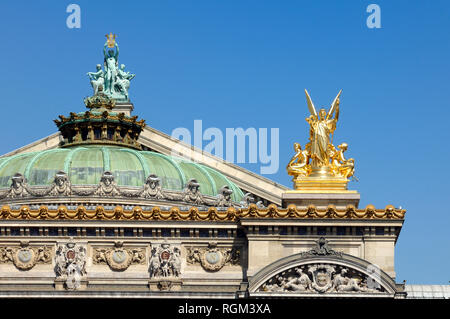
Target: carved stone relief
(107,187)
(26,257)
(320,278)
(213,258)
(191,192)
(119,258)
(61,185)
(321,249)
(70,264)
(19,187)
(152,188)
(165,261)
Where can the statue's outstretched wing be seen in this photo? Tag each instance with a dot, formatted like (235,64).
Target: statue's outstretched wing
(334,106)
(311,107)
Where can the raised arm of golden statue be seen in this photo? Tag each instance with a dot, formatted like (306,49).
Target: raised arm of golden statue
(318,164)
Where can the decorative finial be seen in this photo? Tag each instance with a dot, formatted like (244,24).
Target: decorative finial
(111,40)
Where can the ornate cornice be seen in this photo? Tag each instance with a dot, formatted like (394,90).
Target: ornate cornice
(100,126)
(98,116)
(311,212)
(118,213)
(108,188)
(194,214)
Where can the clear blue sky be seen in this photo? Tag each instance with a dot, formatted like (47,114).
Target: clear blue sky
(245,64)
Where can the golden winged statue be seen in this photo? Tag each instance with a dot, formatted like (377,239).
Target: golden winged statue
(321,127)
(320,158)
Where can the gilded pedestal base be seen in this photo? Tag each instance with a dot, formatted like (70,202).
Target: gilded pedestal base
(321,180)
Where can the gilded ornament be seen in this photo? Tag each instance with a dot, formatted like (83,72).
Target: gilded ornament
(320,165)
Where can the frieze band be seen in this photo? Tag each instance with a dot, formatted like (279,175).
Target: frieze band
(174,213)
(108,187)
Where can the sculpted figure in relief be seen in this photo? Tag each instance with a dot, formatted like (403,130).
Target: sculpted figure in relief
(70,264)
(19,187)
(165,261)
(192,192)
(107,186)
(61,185)
(152,187)
(224,197)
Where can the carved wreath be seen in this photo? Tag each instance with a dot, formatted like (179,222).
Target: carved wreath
(213,258)
(25,258)
(119,259)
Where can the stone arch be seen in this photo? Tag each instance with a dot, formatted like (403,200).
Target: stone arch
(333,275)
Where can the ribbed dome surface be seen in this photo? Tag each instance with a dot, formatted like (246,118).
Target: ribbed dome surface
(85,166)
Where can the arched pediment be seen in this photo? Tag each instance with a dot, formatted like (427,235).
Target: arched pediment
(321,272)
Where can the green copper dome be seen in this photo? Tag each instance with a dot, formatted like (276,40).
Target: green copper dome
(85,166)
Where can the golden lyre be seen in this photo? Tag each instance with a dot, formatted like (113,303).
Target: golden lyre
(111,40)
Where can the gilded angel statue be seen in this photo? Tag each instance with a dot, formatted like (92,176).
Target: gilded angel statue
(322,125)
(320,165)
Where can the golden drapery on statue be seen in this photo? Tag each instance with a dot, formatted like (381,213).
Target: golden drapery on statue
(321,165)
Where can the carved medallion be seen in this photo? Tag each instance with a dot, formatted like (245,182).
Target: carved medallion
(119,258)
(213,258)
(25,257)
(321,277)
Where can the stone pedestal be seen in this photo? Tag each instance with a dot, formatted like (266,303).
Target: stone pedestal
(165,284)
(60,284)
(124,107)
(320,200)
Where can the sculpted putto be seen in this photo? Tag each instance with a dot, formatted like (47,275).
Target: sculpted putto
(119,258)
(25,257)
